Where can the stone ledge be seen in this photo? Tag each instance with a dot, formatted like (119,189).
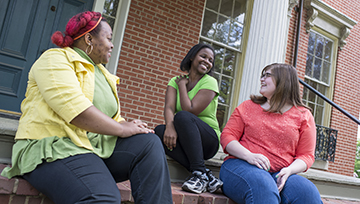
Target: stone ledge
(335,186)
(19,191)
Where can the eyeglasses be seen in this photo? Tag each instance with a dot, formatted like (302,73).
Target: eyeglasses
(266,75)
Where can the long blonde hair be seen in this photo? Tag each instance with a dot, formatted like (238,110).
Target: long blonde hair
(287,88)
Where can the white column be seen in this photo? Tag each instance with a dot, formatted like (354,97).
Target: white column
(266,43)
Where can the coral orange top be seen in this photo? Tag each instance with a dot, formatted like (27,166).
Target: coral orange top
(282,138)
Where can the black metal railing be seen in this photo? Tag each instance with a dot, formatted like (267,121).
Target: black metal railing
(325,143)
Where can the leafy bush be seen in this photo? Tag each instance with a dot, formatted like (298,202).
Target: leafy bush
(357,159)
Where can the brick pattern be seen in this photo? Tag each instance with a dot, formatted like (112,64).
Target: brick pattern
(157,37)
(347,92)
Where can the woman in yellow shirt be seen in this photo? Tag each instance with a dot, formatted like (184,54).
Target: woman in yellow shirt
(72,144)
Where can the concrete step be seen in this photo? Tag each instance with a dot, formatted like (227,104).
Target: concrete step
(19,191)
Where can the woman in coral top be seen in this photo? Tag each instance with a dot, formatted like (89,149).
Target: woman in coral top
(270,139)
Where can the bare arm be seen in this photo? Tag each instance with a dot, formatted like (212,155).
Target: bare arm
(93,120)
(236,149)
(170,134)
(200,101)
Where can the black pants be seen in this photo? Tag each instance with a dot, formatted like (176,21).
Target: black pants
(86,178)
(196,141)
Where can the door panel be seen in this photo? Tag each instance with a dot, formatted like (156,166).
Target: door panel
(26,27)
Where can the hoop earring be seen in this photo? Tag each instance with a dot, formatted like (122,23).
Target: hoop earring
(91,49)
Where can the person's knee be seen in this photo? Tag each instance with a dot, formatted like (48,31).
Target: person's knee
(159,131)
(301,190)
(182,117)
(152,144)
(248,184)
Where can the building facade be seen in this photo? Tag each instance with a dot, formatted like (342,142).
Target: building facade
(247,35)
(151,37)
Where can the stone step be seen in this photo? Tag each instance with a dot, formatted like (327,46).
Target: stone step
(19,191)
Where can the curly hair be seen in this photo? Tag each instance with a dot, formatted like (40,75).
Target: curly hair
(76,26)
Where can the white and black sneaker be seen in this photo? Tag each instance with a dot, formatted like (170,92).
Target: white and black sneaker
(196,183)
(214,183)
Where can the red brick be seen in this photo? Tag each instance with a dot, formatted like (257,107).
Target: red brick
(6,185)
(125,191)
(4,199)
(25,188)
(35,200)
(18,200)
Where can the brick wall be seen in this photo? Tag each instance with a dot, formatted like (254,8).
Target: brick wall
(158,35)
(346,90)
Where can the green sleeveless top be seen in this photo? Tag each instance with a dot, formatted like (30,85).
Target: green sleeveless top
(27,154)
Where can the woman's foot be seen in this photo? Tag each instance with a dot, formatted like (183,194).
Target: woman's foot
(214,183)
(196,183)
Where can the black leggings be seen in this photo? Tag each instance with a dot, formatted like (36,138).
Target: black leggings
(196,141)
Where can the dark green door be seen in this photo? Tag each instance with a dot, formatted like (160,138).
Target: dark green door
(26,27)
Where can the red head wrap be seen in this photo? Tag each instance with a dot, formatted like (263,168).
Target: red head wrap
(78,26)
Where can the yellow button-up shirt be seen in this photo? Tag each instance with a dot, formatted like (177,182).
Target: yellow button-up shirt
(60,87)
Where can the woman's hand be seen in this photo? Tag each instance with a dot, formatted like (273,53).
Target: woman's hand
(134,127)
(296,167)
(259,160)
(170,137)
(182,80)
(282,176)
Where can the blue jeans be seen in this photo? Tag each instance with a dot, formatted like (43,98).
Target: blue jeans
(246,183)
(87,178)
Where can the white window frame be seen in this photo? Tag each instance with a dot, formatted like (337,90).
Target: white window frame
(330,85)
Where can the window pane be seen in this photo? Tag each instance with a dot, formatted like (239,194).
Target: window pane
(219,56)
(229,63)
(319,46)
(221,115)
(222,30)
(321,89)
(226,7)
(110,7)
(311,43)
(111,22)
(312,106)
(109,11)
(309,65)
(225,89)
(239,11)
(212,4)
(209,24)
(216,76)
(235,34)
(326,72)
(328,48)
(317,69)
(319,114)
(305,93)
